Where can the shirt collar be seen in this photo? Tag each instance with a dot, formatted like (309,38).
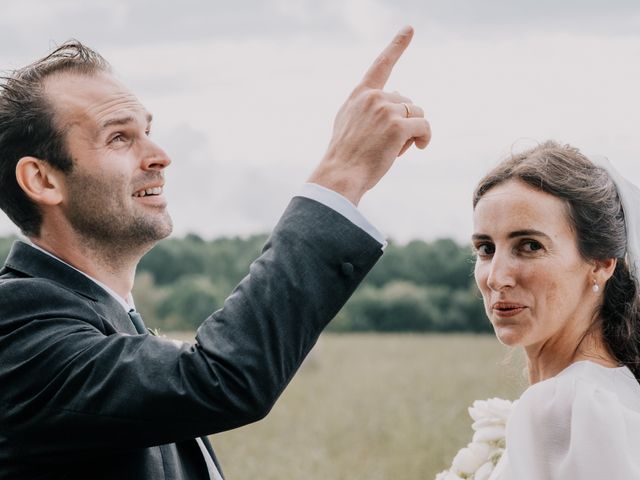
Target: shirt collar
(126,303)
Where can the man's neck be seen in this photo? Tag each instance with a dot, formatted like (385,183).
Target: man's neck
(112,267)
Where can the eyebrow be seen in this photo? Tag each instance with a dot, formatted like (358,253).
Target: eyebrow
(514,234)
(124,120)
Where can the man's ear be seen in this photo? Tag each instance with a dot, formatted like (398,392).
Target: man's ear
(40,181)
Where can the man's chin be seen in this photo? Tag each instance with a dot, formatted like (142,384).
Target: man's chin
(168,228)
(159,229)
(147,231)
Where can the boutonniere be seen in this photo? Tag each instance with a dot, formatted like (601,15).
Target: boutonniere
(154,332)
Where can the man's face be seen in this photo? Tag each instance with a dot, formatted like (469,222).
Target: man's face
(114,192)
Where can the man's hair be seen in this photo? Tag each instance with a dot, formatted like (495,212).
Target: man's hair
(28,126)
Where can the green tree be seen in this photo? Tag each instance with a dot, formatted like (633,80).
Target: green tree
(189,302)
(442,262)
(397,306)
(420,286)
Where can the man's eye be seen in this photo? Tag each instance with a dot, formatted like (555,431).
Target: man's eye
(117,138)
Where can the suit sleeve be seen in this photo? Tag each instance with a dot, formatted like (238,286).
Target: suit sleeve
(67,386)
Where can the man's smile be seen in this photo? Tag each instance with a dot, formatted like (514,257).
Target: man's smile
(145,192)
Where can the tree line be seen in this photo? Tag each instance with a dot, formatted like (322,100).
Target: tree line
(417,287)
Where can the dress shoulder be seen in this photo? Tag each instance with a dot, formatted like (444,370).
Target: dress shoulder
(584,423)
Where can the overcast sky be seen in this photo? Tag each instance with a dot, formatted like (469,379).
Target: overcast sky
(244,93)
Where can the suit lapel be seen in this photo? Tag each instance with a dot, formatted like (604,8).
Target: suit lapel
(25,260)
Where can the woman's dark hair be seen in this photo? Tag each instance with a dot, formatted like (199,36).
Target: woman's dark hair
(28,127)
(596,215)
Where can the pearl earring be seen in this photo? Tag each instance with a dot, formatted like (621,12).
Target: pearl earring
(596,287)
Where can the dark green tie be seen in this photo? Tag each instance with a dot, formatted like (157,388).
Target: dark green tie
(136,319)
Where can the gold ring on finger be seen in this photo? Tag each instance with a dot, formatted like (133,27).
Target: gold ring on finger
(407,110)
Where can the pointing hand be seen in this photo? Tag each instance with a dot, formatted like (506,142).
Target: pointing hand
(372,129)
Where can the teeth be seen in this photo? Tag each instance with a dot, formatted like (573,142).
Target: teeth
(148,191)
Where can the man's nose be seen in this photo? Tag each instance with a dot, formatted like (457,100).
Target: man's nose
(502,272)
(154,157)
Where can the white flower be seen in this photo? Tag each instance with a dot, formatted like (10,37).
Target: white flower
(446,475)
(493,408)
(484,472)
(489,434)
(469,459)
(478,459)
(490,419)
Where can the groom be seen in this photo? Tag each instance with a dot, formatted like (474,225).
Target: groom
(85,391)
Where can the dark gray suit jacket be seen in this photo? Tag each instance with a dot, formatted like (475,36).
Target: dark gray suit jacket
(83,396)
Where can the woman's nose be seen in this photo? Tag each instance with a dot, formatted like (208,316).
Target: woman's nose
(502,272)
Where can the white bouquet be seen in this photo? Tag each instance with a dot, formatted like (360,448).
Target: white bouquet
(478,459)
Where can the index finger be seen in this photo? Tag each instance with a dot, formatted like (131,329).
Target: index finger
(379,72)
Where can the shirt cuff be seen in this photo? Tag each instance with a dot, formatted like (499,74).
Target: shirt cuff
(344,207)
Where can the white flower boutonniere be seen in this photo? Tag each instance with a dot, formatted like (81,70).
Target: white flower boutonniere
(478,459)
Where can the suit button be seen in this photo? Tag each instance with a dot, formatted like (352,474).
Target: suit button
(347,269)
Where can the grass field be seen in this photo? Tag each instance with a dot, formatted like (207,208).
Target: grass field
(373,407)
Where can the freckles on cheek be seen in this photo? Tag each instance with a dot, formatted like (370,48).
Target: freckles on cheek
(551,296)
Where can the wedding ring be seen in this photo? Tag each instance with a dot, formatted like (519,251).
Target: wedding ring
(407,110)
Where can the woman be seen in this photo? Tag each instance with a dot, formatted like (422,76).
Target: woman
(556,266)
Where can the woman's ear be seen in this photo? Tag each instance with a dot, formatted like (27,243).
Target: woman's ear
(39,180)
(603,270)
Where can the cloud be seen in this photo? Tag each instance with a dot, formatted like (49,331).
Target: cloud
(246,112)
(499,17)
(31,25)
(218,197)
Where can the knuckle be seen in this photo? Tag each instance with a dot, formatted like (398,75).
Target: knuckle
(372,97)
(395,126)
(385,110)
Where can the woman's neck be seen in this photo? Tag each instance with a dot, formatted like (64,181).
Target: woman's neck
(549,359)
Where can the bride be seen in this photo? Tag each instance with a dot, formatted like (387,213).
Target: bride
(556,240)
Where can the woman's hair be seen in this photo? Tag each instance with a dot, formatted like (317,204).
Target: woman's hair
(596,215)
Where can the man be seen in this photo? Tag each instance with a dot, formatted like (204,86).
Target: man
(85,391)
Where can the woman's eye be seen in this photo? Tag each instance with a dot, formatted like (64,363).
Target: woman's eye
(531,246)
(485,249)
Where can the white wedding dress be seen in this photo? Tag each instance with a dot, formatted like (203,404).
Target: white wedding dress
(582,424)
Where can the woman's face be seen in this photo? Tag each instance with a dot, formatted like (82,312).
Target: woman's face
(535,285)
